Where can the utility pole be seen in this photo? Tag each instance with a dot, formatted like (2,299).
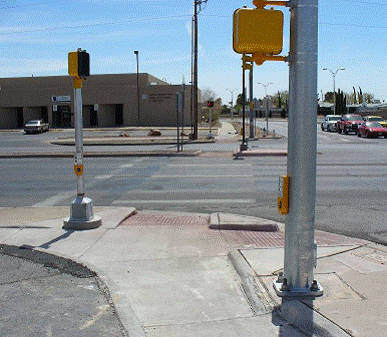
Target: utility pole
(194,81)
(138,89)
(298,280)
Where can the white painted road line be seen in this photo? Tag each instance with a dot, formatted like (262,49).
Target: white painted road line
(209,165)
(55,199)
(203,176)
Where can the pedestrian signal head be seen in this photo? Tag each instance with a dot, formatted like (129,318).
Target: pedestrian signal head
(79,63)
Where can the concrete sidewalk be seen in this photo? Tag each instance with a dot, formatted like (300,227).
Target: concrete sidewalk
(169,274)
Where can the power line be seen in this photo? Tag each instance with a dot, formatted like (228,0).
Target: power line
(351,25)
(365,2)
(95,24)
(4,5)
(320,23)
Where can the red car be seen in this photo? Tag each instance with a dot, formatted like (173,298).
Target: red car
(371,129)
(349,123)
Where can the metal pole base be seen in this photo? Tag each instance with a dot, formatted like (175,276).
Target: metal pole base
(244,146)
(284,290)
(81,215)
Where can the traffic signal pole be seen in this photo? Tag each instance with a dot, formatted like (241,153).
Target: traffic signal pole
(78,126)
(300,249)
(251,89)
(81,211)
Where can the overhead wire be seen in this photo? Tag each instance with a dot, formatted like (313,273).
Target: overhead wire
(3,6)
(96,24)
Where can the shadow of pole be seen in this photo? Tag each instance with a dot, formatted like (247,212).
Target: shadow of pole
(297,315)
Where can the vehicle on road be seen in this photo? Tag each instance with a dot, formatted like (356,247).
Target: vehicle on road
(36,126)
(372,129)
(378,119)
(349,123)
(329,123)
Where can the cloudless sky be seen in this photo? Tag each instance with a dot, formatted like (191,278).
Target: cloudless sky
(36,35)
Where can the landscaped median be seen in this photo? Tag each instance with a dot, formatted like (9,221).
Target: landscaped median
(109,141)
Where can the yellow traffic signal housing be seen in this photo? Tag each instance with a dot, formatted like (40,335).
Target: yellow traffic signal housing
(258,31)
(79,64)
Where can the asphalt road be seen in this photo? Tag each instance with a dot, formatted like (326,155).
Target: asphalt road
(351,182)
(37,300)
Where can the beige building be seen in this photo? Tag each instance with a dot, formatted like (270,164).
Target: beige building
(108,100)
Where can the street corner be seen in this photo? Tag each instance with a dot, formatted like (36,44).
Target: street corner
(227,221)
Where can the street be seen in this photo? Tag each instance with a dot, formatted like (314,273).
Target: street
(351,180)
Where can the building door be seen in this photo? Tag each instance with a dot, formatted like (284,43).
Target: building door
(62,117)
(44,113)
(20,118)
(119,114)
(93,116)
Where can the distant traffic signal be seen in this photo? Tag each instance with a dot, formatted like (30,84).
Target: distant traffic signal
(210,104)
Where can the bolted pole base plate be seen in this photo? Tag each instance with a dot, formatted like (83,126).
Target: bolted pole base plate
(81,215)
(285,291)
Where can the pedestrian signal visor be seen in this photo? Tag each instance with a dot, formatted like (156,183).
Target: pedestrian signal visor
(258,31)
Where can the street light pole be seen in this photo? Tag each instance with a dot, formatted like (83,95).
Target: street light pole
(138,89)
(232,101)
(267,107)
(334,73)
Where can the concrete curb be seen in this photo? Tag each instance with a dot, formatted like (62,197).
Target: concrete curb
(193,153)
(121,141)
(260,301)
(226,221)
(254,292)
(260,153)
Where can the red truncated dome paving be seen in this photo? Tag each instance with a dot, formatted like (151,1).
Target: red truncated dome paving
(239,237)
(146,219)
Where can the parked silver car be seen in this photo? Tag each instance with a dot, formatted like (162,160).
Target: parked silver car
(329,123)
(36,126)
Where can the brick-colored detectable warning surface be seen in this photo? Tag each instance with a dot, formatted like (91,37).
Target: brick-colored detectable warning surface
(240,238)
(277,239)
(154,219)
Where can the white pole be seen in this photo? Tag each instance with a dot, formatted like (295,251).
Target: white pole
(78,138)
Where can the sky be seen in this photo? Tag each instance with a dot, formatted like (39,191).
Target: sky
(36,36)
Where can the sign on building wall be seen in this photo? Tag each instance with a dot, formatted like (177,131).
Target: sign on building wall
(61,98)
(160,97)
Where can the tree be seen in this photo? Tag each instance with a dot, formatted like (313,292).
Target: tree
(354,96)
(369,98)
(360,95)
(239,100)
(208,95)
(328,97)
(341,103)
